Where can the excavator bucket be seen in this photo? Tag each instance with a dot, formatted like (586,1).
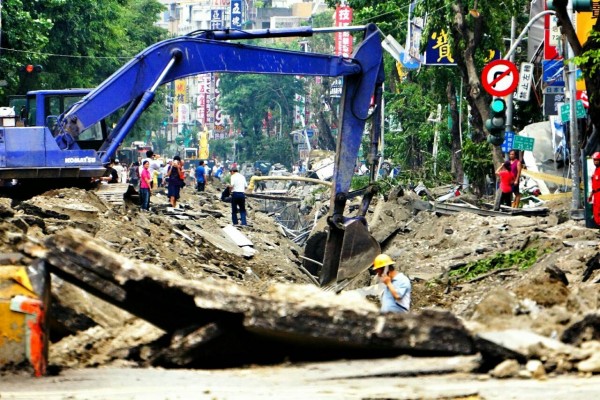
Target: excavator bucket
(349,251)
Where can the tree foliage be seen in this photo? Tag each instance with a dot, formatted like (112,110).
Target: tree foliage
(24,36)
(250,99)
(79,43)
(473,28)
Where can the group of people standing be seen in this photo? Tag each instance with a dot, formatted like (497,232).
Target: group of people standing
(174,179)
(146,175)
(509,174)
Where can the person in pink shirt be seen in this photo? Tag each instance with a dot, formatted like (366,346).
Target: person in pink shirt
(145,183)
(506,183)
(515,168)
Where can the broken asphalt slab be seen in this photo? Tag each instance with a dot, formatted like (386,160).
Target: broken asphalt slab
(287,319)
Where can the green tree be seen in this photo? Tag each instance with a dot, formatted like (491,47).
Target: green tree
(79,43)
(221,148)
(322,106)
(24,36)
(247,98)
(84,43)
(471,34)
(278,150)
(410,100)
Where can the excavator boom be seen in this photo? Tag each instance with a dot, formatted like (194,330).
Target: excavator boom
(54,154)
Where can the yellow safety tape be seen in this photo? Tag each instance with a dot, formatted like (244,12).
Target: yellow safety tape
(559,180)
(555,196)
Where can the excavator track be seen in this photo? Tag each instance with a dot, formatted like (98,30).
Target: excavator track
(113,193)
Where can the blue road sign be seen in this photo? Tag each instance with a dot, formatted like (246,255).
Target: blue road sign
(507,145)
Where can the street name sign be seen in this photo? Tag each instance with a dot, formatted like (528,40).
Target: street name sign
(523,143)
(509,139)
(565,111)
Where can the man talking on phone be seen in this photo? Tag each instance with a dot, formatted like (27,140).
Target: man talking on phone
(396,295)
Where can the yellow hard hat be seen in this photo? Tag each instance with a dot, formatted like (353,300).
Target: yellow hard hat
(382,260)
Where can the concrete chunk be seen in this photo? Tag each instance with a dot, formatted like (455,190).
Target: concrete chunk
(236,236)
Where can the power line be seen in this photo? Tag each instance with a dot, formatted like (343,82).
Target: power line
(393,11)
(38,53)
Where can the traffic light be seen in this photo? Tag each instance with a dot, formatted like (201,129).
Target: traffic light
(495,124)
(30,68)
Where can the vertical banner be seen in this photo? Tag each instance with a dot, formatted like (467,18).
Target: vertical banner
(201,108)
(183,112)
(218,117)
(216,19)
(413,39)
(202,102)
(179,100)
(236,14)
(299,109)
(204,147)
(525,78)
(210,110)
(343,40)
(551,38)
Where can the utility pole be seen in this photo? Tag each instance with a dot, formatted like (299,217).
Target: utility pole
(574,131)
(509,100)
(280,119)
(436,135)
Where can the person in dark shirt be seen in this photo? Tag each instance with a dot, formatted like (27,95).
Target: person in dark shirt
(113,176)
(200,177)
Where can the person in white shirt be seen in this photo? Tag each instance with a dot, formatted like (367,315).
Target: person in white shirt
(119,168)
(363,170)
(238,198)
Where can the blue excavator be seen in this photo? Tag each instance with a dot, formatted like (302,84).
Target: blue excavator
(62,149)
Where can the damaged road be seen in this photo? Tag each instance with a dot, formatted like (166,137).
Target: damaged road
(183,288)
(228,325)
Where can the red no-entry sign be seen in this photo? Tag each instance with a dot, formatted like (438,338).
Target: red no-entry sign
(500,77)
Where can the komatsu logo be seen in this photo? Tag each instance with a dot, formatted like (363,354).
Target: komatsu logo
(80,160)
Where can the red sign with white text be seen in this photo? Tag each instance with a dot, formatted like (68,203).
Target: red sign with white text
(551,38)
(343,40)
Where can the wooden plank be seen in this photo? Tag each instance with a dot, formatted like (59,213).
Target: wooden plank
(555,196)
(112,193)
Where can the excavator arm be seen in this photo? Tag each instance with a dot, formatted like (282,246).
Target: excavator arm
(349,248)
(136,82)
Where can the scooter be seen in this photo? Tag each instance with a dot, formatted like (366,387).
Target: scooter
(455,191)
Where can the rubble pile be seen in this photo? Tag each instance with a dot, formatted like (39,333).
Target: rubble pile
(531,316)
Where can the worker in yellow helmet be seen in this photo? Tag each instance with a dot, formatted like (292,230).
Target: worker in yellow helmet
(396,296)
